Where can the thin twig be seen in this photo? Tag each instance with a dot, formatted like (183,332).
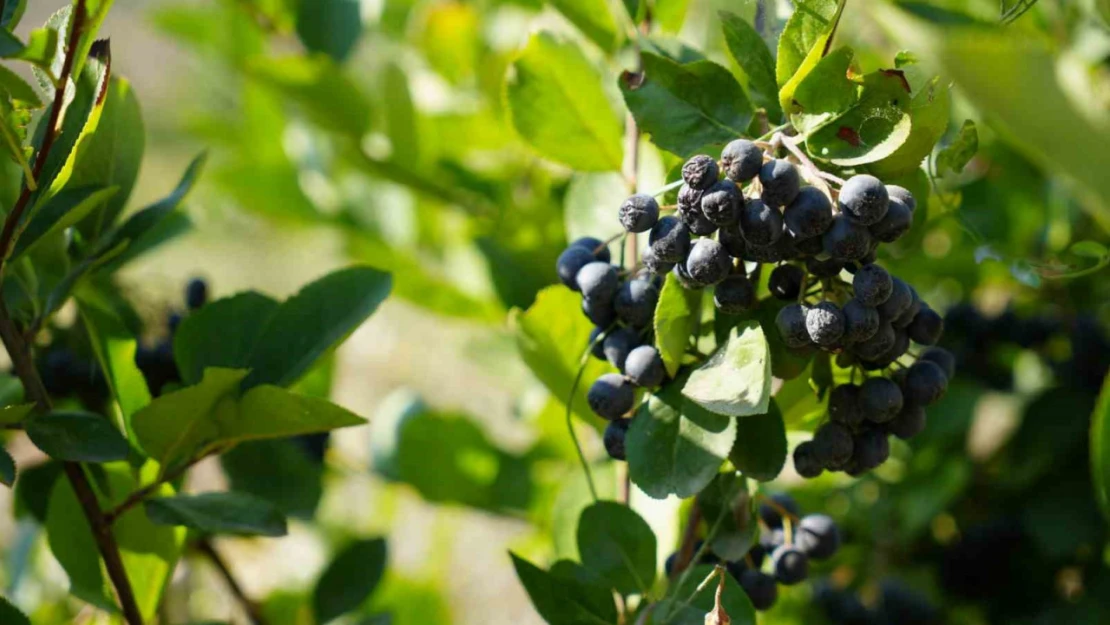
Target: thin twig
(570,421)
(8,235)
(249,606)
(811,170)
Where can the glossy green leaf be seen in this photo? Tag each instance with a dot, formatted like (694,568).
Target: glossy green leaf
(686,107)
(760,448)
(956,155)
(112,156)
(7,468)
(221,334)
(929,113)
(676,317)
(447,457)
(674,446)
(349,579)
(271,412)
(803,42)
(10,13)
(277,471)
(319,87)
(734,601)
(115,347)
(61,211)
(618,547)
(562,601)
(218,513)
(77,437)
(826,92)
(43,49)
(558,106)
(736,380)
(727,505)
(176,425)
(752,55)
(1100,448)
(9,614)
(552,336)
(95,12)
(314,321)
(594,18)
(74,547)
(329,26)
(872,129)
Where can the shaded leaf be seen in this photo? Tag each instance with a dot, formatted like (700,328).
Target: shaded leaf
(562,601)
(803,42)
(9,614)
(277,471)
(7,471)
(218,513)
(956,155)
(677,314)
(558,106)
(752,55)
(1100,448)
(727,505)
(617,546)
(320,89)
(734,601)
(115,346)
(736,380)
(77,437)
(61,211)
(686,107)
(349,579)
(14,414)
(759,451)
(593,18)
(221,334)
(330,26)
(10,13)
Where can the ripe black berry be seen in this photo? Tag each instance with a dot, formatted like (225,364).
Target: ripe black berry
(897,221)
(844,405)
(825,323)
(700,172)
(926,327)
(734,295)
(771,515)
(742,160)
(598,281)
(791,324)
(618,344)
(730,238)
(635,303)
(872,285)
(786,282)
(760,587)
(871,449)
(823,268)
(943,358)
(596,246)
(601,314)
(644,367)
(781,182)
(809,215)
(760,224)
(670,239)
(925,383)
(196,293)
(860,322)
(903,195)
(639,213)
(610,396)
(722,202)
(903,320)
(880,399)
(685,279)
(846,239)
(597,348)
(573,259)
(909,423)
(614,436)
(899,301)
(708,262)
(818,536)
(879,343)
(805,461)
(653,264)
(864,199)
(832,444)
(790,565)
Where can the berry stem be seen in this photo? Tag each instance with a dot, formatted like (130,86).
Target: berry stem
(667,187)
(250,607)
(811,170)
(570,421)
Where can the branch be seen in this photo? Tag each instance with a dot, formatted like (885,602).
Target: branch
(106,543)
(249,606)
(8,235)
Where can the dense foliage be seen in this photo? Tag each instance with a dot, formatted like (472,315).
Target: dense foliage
(736,247)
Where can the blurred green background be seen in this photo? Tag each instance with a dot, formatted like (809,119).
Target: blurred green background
(388,142)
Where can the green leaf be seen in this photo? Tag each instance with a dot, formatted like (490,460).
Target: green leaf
(593,18)
(10,13)
(447,457)
(552,337)
(956,155)
(277,471)
(77,437)
(803,42)
(734,601)
(112,156)
(563,601)
(670,14)
(96,11)
(689,106)
(9,614)
(18,89)
(331,27)
(736,380)
(147,220)
(176,425)
(61,211)
(72,544)
(558,106)
(319,88)
(618,547)
(32,491)
(759,451)
(218,513)
(1090,249)
(349,580)
(826,92)
(271,412)
(314,321)
(727,505)
(752,55)
(15,116)
(1100,447)
(929,112)
(676,317)
(221,334)
(7,468)
(674,445)
(43,49)
(872,129)
(14,414)
(115,349)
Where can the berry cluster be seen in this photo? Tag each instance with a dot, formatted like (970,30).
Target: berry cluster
(854,439)
(896,604)
(790,541)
